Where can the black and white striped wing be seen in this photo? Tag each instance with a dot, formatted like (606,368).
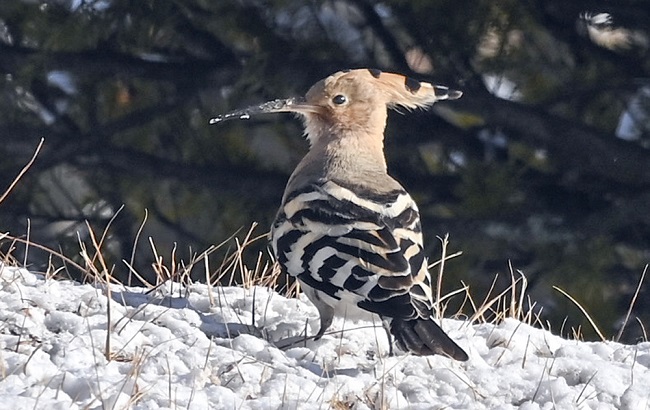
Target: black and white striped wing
(360,248)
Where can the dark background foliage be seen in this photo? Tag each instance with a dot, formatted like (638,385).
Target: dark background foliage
(543,164)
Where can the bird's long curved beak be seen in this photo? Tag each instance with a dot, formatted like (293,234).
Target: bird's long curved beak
(296,105)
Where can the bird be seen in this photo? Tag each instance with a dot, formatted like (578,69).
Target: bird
(348,231)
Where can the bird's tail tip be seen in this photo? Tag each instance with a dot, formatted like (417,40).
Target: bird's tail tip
(425,337)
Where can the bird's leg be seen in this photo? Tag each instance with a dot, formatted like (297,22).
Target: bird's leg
(326,316)
(386,327)
(325,311)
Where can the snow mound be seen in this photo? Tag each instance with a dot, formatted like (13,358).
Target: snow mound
(196,348)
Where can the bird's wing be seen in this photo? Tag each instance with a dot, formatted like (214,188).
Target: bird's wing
(357,247)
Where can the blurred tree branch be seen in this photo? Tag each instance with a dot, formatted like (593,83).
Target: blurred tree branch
(581,151)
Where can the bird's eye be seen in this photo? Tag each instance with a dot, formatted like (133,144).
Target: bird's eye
(339,99)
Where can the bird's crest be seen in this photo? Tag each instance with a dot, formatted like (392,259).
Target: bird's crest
(408,92)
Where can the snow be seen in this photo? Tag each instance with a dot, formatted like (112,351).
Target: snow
(196,348)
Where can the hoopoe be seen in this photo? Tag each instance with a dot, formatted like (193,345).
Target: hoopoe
(346,229)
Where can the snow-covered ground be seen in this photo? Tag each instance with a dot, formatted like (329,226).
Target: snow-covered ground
(195,348)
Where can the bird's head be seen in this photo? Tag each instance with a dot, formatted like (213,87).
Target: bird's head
(354,101)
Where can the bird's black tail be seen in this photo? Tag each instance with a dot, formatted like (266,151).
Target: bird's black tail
(425,337)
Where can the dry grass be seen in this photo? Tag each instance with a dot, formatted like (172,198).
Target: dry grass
(512,302)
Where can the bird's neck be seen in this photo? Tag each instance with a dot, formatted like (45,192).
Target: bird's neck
(353,155)
(349,157)
(353,160)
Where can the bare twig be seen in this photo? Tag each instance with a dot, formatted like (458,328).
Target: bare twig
(22,171)
(444,242)
(629,309)
(584,312)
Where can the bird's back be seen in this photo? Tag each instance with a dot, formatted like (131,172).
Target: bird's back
(353,244)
